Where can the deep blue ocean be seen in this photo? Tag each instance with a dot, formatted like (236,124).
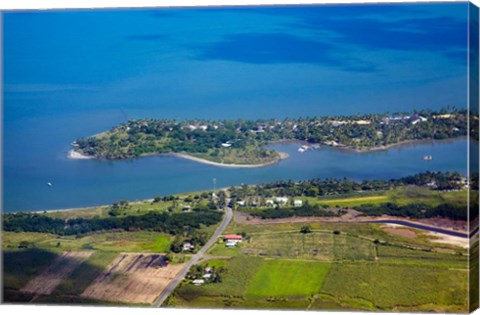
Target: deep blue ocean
(69,74)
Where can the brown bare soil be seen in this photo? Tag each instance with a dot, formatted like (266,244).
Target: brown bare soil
(401,232)
(133,278)
(60,269)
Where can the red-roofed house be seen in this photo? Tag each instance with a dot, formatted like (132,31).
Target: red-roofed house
(232,238)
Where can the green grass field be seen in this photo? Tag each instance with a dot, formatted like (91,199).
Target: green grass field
(288,278)
(377,286)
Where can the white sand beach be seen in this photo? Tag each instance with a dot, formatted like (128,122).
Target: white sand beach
(192,158)
(72,154)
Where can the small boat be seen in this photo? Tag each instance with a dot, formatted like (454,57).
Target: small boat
(301,150)
(427,158)
(49,184)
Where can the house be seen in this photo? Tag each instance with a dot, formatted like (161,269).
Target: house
(432,185)
(198,281)
(281,200)
(416,119)
(269,202)
(186,208)
(232,238)
(191,127)
(207,276)
(187,247)
(241,203)
(297,203)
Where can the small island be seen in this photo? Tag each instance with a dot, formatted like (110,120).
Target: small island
(242,143)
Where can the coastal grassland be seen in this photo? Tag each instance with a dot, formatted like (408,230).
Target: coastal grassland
(134,208)
(288,278)
(108,241)
(400,196)
(377,286)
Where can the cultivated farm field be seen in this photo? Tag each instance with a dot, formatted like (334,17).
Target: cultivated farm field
(337,266)
(60,269)
(133,278)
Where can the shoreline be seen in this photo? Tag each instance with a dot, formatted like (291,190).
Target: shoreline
(283,155)
(398,144)
(75,155)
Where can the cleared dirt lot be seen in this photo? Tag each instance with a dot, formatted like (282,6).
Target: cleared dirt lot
(60,269)
(401,232)
(133,278)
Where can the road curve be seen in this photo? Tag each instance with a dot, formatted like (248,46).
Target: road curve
(173,284)
(423,227)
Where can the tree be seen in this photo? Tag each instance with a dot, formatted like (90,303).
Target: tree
(177,244)
(305,229)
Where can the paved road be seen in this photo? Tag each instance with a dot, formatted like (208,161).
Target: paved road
(173,284)
(423,227)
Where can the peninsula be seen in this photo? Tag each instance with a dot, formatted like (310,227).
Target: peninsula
(241,143)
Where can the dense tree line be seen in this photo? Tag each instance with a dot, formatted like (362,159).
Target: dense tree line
(174,223)
(417,211)
(212,139)
(343,186)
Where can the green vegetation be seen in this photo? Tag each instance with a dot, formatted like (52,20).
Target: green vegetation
(304,265)
(20,266)
(373,286)
(174,223)
(418,196)
(85,274)
(304,211)
(288,278)
(315,245)
(241,141)
(237,275)
(336,266)
(142,241)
